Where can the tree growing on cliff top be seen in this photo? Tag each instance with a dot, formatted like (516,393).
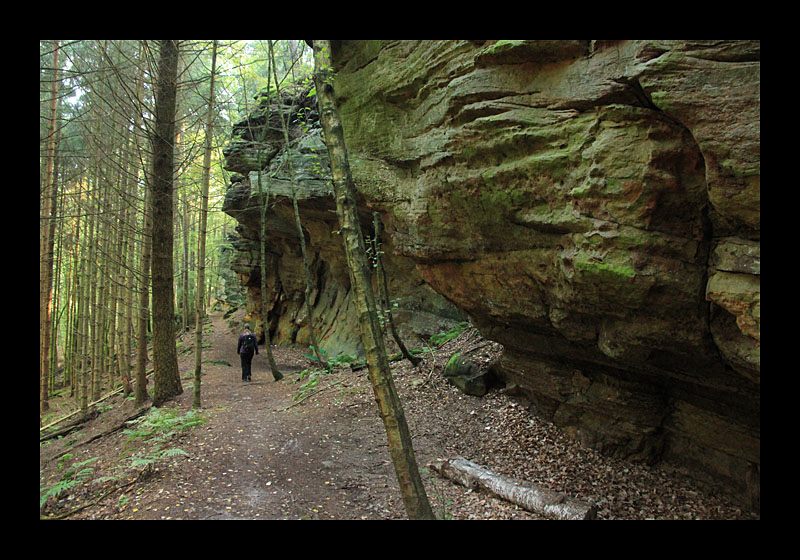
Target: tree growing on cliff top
(265,193)
(391,411)
(298,225)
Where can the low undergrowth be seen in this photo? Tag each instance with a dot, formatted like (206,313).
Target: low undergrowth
(145,446)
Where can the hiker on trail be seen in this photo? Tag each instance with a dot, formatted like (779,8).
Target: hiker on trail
(248,345)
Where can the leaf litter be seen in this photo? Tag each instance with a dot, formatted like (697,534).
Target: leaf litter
(262,455)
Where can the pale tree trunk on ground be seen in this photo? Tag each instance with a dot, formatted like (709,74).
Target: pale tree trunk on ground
(527,495)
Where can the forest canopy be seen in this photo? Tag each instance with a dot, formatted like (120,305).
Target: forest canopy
(97,126)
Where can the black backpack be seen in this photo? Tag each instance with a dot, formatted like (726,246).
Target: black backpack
(248,344)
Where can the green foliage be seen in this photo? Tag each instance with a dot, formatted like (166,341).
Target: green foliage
(154,428)
(442,337)
(160,424)
(312,377)
(75,474)
(312,357)
(307,387)
(217,362)
(453,364)
(343,359)
(398,356)
(339,360)
(151,457)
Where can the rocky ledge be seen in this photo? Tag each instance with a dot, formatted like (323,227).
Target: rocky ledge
(593,206)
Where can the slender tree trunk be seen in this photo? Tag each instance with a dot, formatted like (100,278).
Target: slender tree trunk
(383,290)
(185,302)
(201,250)
(142,318)
(46,245)
(71,362)
(166,381)
(125,286)
(390,408)
(75,323)
(143,307)
(273,366)
(55,274)
(88,274)
(92,271)
(298,225)
(100,309)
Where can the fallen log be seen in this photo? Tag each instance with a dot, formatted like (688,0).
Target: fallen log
(72,426)
(525,494)
(113,429)
(71,414)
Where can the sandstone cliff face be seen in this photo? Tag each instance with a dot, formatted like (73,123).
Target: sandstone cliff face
(593,206)
(257,143)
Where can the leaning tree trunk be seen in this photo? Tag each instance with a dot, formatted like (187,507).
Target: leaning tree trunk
(383,290)
(391,411)
(166,381)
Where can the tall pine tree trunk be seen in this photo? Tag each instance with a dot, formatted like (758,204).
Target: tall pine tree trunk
(166,381)
(87,273)
(126,288)
(390,408)
(201,250)
(143,308)
(46,244)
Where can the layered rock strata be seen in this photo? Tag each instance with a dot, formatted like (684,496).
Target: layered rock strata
(255,155)
(594,206)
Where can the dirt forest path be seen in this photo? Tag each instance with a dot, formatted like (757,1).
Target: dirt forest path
(261,454)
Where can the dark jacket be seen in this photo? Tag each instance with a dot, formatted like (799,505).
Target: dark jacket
(241,341)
